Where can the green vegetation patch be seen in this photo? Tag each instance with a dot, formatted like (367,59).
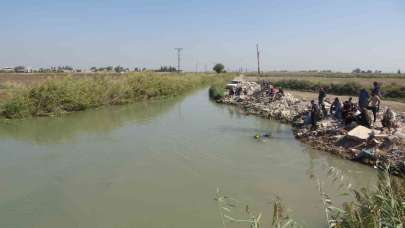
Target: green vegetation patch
(392,91)
(68,94)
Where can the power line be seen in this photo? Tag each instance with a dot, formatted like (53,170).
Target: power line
(178,58)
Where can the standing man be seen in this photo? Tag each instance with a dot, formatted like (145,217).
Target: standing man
(321,98)
(336,109)
(374,105)
(314,114)
(363,99)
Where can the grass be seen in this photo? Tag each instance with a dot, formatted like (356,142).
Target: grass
(332,75)
(70,94)
(393,85)
(217,91)
(383,207)
(232,211)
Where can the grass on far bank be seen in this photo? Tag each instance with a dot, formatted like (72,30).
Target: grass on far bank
(392,85)
(69,94)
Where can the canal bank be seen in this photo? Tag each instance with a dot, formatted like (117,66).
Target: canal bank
(377,146)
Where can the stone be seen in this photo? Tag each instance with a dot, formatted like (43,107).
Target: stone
(400,135)
(360,132)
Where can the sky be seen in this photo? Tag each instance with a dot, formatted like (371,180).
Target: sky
(339,35)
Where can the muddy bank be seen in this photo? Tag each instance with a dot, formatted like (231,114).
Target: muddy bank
(376,146)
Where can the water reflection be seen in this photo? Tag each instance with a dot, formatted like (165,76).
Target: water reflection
(97,121)
(157,165)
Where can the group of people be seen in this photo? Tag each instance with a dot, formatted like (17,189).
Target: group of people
(237,91)
(349,112)
(272,91)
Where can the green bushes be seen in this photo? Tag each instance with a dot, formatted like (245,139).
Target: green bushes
(392,91)
(303,85)
(216,92)
(383,207)
(70,94)
(297,85)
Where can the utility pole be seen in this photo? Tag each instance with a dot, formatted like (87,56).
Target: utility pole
(178,58)
(258,58)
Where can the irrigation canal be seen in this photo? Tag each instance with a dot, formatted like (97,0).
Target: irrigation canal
(158,164)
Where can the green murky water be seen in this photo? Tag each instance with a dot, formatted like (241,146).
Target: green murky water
(157,164)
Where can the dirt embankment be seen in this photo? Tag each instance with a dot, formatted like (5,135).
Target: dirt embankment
(376,146)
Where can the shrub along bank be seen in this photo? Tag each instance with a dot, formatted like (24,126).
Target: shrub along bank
(392,91)
(56,96)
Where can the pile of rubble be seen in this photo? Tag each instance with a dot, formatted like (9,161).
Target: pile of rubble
(378,148)
(250,87)
(285,108)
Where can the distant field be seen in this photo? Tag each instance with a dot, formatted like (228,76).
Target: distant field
(365,80)
(392,85)
(32,78)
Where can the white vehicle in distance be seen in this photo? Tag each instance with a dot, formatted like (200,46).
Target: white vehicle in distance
(233,84)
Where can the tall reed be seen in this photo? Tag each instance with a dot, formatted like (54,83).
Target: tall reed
(382,207)
(69,94)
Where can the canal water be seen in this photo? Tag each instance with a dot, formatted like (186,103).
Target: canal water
(159,164)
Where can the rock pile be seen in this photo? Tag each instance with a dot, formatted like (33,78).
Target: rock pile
(285,108)
(379,148)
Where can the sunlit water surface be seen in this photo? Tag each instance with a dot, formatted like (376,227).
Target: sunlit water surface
(159,164)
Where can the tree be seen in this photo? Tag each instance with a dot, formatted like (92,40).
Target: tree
(119,69)
(167,69)
(219,68)
(356,71)
(399,71)
(19,69)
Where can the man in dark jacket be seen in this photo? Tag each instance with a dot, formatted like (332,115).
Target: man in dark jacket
(314,114)
(363,99)
(321,99)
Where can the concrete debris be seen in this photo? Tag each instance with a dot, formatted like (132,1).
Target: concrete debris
(377,147)
(360,132)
